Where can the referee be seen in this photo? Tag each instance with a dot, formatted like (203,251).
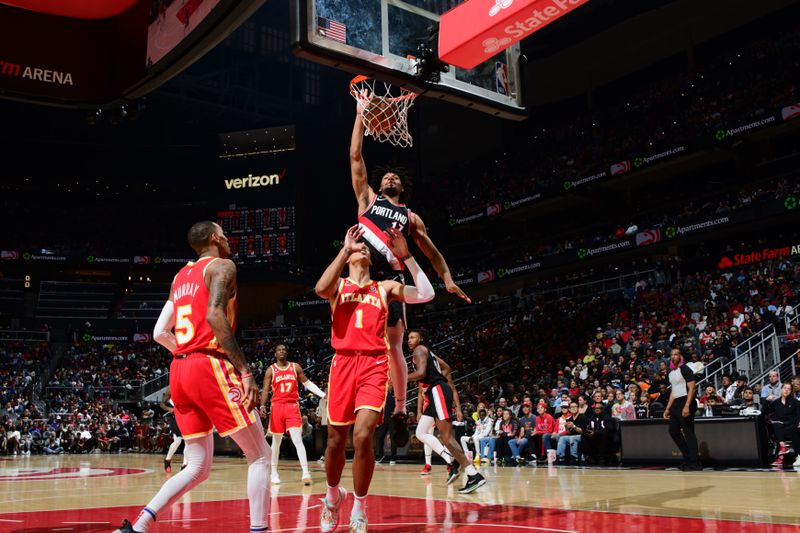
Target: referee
(680,410)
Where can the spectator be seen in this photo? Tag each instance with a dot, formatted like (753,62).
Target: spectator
(772,390)
(785,418)
(597,439)
(508,432)
(527,423)
(574,426)
(622,408)
(544,429)
(483,428)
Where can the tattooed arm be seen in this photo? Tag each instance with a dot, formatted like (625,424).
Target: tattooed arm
(221,282)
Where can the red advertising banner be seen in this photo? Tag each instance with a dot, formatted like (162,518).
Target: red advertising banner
(477,30)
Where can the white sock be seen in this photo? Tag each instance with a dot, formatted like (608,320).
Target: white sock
(176,442)
(359,506)
(471,470)
(276,451)
(428,454)
(256,450)
(297,440)
(199,454)
(332,495)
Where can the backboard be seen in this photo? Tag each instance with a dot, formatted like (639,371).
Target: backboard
(376,38)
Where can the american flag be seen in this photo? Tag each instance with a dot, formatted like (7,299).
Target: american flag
(332,29)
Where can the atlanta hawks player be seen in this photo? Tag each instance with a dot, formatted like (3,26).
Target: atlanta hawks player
(282,379)
(359,374)
(377,213)
(210,381)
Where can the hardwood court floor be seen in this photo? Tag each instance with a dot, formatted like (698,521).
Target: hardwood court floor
(92,493)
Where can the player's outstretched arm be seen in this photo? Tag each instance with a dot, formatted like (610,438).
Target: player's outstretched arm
(307,383)
(420,358)
(162,332)
(422,291)
(358,169)
(326,285)
(420,235)
(221,282)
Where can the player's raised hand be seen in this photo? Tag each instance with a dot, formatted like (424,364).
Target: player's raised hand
(397,242)
(351,244)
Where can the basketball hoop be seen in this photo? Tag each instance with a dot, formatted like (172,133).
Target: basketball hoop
(384,111)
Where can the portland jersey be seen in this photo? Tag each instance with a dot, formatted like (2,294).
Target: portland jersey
(284,384)
(378,217)
(359,317)
(190,297)
(433,373)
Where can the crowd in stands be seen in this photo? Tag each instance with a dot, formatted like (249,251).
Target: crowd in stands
(524,360)
(748,79)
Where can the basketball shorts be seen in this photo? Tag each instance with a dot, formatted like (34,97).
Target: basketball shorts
(173,425)
(357,381)
(207,392)
(284,416)
(438,402)
(397,309)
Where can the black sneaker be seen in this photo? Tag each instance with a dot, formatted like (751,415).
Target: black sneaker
(694,467)
(126,527)
(473,483)
(400,429)
(453,471)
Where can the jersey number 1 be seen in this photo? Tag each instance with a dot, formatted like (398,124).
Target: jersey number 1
(359,318)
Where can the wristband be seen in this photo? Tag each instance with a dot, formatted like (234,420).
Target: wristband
(247,375)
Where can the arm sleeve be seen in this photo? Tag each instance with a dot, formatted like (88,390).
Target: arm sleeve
(423,290)
(310,386)
(162,332)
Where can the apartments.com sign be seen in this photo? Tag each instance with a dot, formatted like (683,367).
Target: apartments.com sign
(252,182)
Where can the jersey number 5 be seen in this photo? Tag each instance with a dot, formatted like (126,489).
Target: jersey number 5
(184,329)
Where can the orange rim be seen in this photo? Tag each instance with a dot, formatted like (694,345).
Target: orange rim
(407,94)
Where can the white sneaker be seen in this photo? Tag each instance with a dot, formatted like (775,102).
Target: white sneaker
(275,480)
(330,513)
(306,479)
(797,461)
(358,523)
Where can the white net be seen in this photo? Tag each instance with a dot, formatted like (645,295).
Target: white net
(384,110)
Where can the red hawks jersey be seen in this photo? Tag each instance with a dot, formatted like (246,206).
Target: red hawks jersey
(359,317)
(284,384)
(190,297)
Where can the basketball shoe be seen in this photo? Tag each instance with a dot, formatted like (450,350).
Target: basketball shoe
(473,483)
(426,470)
(330,513)
(453,471)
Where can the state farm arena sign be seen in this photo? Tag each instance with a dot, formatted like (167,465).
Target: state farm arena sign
(757,256)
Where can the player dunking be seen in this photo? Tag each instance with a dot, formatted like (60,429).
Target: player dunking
(177,438)
(376,213)
(210,381)
(432,373)
(282,378)
(359,374)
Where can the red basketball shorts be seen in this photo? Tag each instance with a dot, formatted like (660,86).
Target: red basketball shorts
(357,381)
(207,392)
(284,416)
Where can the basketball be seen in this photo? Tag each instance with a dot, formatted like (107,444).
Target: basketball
(379,116)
